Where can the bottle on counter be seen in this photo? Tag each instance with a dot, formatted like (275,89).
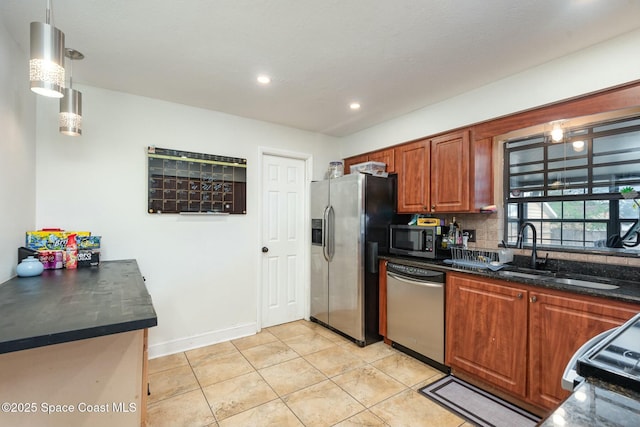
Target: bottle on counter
(452,232)
(71,259)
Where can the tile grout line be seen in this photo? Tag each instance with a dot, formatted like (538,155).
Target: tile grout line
(201,389)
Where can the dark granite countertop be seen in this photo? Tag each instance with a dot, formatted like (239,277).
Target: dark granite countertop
(69,305)
(597,403)
(627,278)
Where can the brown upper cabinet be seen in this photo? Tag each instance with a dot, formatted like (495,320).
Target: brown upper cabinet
(383,156)
(413,167)
(448,173)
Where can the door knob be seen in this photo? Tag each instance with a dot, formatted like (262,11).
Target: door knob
(265,249)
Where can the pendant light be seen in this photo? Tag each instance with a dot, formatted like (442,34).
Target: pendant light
(557,132)
(70,118)
(46,66)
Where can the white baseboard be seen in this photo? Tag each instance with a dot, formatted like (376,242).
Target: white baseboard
(196,341)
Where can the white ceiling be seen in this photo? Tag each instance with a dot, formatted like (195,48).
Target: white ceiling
(392,56)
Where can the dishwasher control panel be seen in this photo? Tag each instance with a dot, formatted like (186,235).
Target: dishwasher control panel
(416,272)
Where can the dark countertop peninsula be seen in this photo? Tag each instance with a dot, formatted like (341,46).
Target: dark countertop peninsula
(69,305)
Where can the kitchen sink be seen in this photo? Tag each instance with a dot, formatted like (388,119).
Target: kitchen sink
(583,283)
(522,275)
(558,278)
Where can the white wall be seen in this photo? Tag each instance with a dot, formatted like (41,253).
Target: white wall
(607,64)
(17,153)
(202,272)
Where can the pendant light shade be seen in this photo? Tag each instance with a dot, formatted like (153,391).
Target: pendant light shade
(46,67)
(70,118)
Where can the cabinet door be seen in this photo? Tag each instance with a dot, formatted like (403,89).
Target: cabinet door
(412,163)
(385,156)
(450,172)
(560,324)
(487,331)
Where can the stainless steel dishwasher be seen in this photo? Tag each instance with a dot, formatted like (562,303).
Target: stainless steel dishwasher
(415,311)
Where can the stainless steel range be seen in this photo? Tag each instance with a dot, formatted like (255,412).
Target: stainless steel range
(616,359)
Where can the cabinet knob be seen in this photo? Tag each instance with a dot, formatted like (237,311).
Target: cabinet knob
(519,295)
(533,299)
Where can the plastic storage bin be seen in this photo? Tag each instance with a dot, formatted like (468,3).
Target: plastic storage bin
(373,168)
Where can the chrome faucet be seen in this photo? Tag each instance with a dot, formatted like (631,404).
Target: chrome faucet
(534,254)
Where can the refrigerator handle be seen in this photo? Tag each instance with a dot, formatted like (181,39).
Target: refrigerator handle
(372,257)
(325,230)
(330,233)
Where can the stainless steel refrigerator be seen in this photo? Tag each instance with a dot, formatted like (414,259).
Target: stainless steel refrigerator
(350,217)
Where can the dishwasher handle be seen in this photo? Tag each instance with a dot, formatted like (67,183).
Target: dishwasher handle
(415,282)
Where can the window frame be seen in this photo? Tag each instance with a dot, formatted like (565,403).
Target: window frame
(587,133)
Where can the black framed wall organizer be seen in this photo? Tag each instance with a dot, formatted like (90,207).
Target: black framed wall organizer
(184,182)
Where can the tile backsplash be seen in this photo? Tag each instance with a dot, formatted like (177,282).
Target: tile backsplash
(489,233)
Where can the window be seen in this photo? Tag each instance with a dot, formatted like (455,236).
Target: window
(570,190)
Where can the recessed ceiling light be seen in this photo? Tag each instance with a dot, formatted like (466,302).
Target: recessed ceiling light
(354,106)
(263,79)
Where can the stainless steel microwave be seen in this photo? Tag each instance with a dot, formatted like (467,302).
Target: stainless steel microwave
(415,240)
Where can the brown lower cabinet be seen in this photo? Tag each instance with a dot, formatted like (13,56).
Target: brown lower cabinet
(519,338)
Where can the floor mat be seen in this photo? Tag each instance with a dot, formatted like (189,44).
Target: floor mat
(476,405)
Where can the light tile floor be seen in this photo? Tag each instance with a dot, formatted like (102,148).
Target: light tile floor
(296,374)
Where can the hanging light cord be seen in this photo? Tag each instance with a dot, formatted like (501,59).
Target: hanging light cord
(70,73)
(48,12)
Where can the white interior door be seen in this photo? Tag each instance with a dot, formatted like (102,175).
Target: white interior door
(283,259)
